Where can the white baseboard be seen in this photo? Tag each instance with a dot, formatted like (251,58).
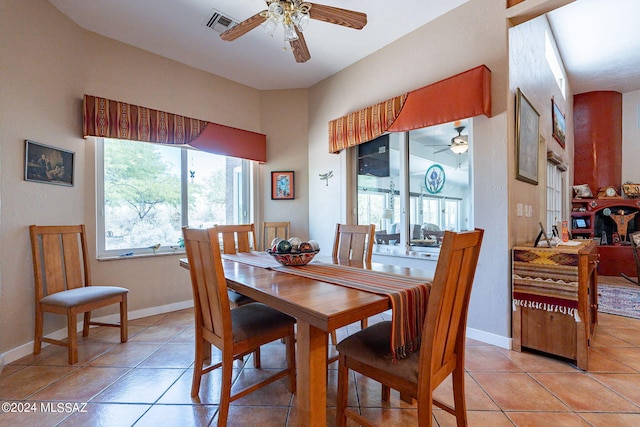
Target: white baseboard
(489,338)
(27,348)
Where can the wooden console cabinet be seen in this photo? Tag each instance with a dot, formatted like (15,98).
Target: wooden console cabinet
(555,295)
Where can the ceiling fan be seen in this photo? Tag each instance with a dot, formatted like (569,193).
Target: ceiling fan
(294,16)
(459,143)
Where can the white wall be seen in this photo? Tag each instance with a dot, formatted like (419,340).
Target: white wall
(426,56)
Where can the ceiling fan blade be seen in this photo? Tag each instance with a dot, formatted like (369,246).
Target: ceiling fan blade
(440,151)
(299,48)
(335,15)
(244,27)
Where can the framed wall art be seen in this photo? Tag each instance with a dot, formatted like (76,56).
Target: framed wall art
(50,165)
(559,125)
(282,185)
(527,140)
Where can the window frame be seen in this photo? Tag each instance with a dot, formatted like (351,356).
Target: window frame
(247,202)
(556,195)
(407,203)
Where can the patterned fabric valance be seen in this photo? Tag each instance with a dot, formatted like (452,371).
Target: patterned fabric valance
(467,94)
(114,119)
(364,125)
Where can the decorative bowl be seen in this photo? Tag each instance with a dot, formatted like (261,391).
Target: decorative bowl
(293,258)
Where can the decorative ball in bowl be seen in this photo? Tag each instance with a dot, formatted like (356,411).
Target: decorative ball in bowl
(293,251)
(293,258)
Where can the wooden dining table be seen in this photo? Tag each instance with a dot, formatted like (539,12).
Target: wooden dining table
(319,308)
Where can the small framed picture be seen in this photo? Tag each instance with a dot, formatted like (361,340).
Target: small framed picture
(282,185)
(559,125)
(50,165)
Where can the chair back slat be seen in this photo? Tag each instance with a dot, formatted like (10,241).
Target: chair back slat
(53,259)
(237,238)
(72,260)
(59,258)
(445,324)
(271,230)
(353,243)
(211,303)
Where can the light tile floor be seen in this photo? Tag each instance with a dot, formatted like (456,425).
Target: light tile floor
(147,381)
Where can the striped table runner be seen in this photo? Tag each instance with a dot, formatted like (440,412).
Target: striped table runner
(408,297)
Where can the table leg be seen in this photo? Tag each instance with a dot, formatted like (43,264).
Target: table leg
(311,366)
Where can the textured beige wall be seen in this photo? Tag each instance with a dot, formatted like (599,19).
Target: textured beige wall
(530,72)
(470,35)
(41,69)
(47,64)
(286,151)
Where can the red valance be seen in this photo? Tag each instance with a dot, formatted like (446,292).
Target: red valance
(114,119)
(464,95)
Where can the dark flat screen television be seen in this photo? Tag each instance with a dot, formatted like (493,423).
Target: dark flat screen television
(373,157)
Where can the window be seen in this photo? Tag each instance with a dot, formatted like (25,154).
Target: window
(553,60)
(409,213)
(148,192)
(555,184)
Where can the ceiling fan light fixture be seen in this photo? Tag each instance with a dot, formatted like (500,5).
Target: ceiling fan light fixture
(288,12)
(276,10)
(459,143)
(459,148)
(269,26)
(301,19)
(289,32)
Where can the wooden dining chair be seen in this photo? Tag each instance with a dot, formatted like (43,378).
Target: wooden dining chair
(63,285)
(236,332)
(443,340)
(271,230)
(353,244)
(237,238)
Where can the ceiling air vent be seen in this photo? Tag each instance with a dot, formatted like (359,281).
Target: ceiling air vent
(219,22)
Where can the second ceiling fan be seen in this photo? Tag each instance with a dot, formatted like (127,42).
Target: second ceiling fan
(294,16)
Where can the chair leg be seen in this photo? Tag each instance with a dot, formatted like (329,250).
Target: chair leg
(343,392)
(86,324)
(225,393)
(124,322)
(364,323)
(37,336)
(291,361)
(459,402)
(197,366)
(425,410)
(256,358)
(71,337)
(386,393)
